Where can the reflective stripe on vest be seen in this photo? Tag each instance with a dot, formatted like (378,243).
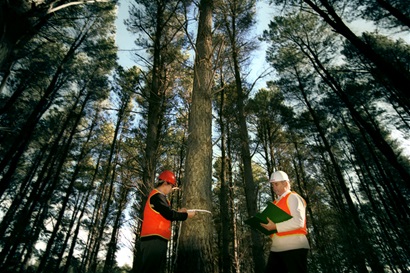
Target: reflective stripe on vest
(154,223)
(283,204)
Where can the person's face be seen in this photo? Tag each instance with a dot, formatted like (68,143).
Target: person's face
(168,188)
(279,187)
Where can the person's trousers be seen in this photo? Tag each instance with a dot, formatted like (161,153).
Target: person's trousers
(153,255)
(291,261)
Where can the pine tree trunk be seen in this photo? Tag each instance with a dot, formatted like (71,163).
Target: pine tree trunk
(225,201)
(400,79)
(155,99)
(34,200)
(195,253)
(86,254)
(69,191)
(250,187)
(113,244)
(14,153)
(360,235)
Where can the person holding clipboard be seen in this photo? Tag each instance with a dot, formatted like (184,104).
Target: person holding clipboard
(289,244)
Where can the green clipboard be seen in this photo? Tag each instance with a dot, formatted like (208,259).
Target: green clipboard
(272,212)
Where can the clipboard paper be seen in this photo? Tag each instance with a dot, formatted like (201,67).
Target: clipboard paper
(272,212)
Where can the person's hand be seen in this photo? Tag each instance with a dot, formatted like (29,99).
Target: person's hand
(269,226)
(191,213)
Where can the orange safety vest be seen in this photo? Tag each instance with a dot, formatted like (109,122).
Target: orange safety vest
(154,223)
(283,204)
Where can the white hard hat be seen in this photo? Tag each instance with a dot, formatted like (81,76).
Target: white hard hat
(278,177)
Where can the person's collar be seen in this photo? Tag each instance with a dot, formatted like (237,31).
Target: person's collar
(284,194)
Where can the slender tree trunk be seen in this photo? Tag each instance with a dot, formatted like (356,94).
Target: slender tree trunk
(76,209)
(352,208)
(82,199)
(113,243)
(233,208)
(400,79)
(91,233)
(225,211)
(94,225)
(155,99)
(9,217)
(69,191)
(398,14)
(250,187)
(39,189)
(13,154)
(109,176)
(371,129)
(77,222)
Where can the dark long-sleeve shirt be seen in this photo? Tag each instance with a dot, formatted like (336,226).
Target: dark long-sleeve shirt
(159,203)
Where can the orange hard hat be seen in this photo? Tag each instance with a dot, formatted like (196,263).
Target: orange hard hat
(168,176)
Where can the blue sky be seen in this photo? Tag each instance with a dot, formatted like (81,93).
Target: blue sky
(125,40)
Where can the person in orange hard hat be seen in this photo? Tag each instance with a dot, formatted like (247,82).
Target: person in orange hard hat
(289,245)
(156,224)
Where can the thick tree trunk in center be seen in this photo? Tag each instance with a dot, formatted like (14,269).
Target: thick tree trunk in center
(196,242)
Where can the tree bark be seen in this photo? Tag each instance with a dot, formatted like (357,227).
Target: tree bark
(250,187)
(226,262)
(196,241)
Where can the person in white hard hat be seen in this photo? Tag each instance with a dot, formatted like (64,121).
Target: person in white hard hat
(289,247)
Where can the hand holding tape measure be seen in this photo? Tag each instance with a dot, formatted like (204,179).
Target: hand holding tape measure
(200,210)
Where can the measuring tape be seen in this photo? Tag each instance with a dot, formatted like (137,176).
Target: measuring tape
(199,210)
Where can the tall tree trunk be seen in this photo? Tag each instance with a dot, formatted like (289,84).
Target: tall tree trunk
(234,211)
(91,233)
(398,78)
(77,222)
(360,234)
(77,116)
(225,202)
(13,154)
(109,179)
(86,257)
(39,189)
(196,242)
(399,14)
(250,187)
(82,199)
(76,209)
(102,227)
(113,243)
(155,99)
(9,217)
